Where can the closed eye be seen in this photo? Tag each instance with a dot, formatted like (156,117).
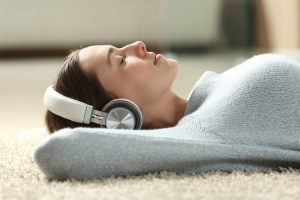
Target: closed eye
(123,58)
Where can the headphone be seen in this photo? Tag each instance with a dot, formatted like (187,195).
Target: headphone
(117,114)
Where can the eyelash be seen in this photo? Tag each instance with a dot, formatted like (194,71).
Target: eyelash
(123,58)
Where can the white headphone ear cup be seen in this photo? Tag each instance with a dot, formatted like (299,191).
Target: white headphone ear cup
(128,105)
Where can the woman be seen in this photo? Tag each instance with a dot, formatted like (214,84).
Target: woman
(92,76)
(246,118)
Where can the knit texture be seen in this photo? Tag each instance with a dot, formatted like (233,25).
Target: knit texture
(245,118)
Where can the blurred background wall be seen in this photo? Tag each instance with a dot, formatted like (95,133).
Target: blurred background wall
(53,26)
(277,26)
(47,28)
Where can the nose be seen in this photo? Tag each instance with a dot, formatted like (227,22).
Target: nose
(138,47)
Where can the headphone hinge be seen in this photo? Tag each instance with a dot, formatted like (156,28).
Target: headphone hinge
(98,117)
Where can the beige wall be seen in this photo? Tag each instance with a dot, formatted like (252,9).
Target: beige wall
(277,24)
(56,23)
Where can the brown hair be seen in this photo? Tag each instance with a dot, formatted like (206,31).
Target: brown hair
(72,82)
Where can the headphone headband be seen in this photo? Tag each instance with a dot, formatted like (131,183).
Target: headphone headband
(66,107)
(118,113)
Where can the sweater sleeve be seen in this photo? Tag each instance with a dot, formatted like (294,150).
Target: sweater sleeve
(85,153)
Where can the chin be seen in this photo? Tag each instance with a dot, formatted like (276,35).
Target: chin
(173,62)
(173,68)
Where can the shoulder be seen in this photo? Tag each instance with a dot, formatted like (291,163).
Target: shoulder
(273,57)
(271,61)
(263,66)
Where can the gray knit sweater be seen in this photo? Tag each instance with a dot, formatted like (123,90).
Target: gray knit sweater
(248,117)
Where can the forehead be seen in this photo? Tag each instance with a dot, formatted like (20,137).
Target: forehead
(93,56)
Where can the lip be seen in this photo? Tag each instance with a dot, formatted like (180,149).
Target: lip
(158,56)
(154,57)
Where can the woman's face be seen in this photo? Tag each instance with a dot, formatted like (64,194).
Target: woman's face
(130,72)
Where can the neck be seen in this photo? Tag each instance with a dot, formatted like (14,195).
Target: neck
(165,112)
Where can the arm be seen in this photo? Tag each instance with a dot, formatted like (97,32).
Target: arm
(84,153)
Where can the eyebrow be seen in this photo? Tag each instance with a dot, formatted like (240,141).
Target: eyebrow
(110,51)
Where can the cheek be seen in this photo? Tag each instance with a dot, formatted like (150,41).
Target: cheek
(136,70)
(134,64)
(137,77)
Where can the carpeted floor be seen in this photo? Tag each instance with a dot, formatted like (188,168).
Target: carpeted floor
(22,85)
(21,179)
